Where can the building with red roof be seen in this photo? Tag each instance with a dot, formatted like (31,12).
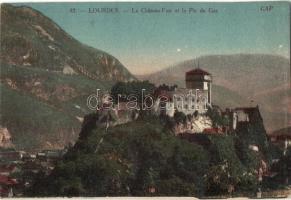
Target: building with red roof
(6,186)
(7,169)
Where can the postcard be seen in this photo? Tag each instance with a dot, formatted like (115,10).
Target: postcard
(145,99)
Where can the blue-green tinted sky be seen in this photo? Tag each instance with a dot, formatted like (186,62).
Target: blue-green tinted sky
(149,42)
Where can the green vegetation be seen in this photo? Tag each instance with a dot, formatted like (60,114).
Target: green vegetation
(51,80)
(284,166)
(227,173)
(57,89)
(39,105)
(25,31)
(28,120)
(282,170)
(140,158)
(34,54)
(216,117)
(139,89)
(254,133)
(144,158)
(59,94)
(180,117)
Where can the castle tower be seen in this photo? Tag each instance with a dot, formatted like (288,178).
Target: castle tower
(201,80)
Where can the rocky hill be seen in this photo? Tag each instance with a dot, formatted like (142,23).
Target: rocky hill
(46,77)
(241,78)
(126,160)
(29,38)
(5,138)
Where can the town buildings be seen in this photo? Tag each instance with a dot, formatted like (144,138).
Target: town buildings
(18,169)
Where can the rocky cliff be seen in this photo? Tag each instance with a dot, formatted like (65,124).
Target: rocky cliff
(29,38)
(46,77)
(5,138)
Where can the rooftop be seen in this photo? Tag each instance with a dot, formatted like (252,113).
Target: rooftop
(5,180)
(197,71)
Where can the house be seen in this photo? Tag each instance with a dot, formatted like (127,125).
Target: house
(6,186)
(28,157)
(55,154)
(7,169)
(248,114)
(243,115)
(12,156)
(281,138)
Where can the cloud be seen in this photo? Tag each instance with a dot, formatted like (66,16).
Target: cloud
(178,50)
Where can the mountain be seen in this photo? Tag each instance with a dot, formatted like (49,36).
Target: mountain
(263,79)
(29,38)
(228,99)
(33,123)
(46,77)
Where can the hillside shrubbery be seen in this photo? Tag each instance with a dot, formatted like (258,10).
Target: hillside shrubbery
(139,158)
(227,173)
(121,91)
(143,158)
(29,119)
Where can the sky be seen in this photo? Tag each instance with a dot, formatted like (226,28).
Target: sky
(147,42)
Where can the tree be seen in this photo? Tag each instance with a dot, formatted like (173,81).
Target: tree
(140,158)
(121,90)
(179,117)
(216,117)
(227,174)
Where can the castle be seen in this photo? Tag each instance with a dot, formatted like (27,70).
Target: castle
(196,97)
(199,79)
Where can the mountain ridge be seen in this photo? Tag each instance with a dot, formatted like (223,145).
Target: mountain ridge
(46,77)
(37,41)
